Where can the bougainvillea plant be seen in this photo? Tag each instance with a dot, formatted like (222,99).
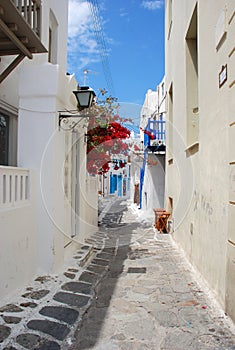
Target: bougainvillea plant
(105,136)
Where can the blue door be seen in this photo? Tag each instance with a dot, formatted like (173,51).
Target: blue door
(113,183)
(124,187)
(119,185)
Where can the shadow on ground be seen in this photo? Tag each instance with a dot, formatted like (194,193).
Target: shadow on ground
(117,247)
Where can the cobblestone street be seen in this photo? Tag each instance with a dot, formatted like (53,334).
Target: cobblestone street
(128,288)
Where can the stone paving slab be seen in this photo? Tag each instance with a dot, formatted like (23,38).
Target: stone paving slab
(11,308)
(77,287)
(150,299)
(100,262)
(11,319)
(60,313)
(57,330)
(109,249)
(4,332)
(132,290)
(71,299)
(70,275)
(34,325)
(48,345)
(96,268)
(36,295)
(105,256)
(30,304)
(89,277)
(34,341)
(28,340)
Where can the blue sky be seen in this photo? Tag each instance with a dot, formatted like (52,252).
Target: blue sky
(121,45)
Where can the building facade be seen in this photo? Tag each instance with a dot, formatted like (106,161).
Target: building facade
(48,204)
(200,163)
(152,170)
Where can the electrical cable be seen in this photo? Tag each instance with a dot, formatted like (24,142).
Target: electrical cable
(97,24)
(96,8)
(97,30)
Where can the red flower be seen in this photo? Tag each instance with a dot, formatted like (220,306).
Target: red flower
(104,140)
(105,167)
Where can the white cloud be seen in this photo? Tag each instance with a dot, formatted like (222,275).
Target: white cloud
(152,5)
(123,12)
(79,20)
(82,45)
(124,15)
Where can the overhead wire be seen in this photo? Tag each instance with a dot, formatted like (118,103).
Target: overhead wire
(100,40)
(102,47)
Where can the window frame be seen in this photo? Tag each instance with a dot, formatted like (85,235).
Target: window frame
(12,137)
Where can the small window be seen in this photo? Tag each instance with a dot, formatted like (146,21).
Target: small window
(170,205)
(49,45)
(163,89)
(4,139)
(53,40)
(169,17)
(191,49)
(170,122)
(8,139)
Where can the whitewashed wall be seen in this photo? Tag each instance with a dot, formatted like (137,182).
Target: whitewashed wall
(154,185)
(198,175)
(35,233)
(18,248)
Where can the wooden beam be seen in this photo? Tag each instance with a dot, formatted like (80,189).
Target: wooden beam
(232,52)
(10,52)
(15,51)
(5,41)
(14,39)
(232,83)
(33,50)
(12,66)
(12,26)
(232,17)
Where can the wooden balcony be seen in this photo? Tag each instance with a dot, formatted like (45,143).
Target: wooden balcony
(20,27)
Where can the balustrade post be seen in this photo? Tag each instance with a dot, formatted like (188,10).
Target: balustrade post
(29,10)
(38,29)
(25,9)
(14,186)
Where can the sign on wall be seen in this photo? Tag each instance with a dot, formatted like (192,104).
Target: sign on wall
(223,75)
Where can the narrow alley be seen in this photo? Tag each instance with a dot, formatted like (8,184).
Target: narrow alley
(117,175)
(130,288)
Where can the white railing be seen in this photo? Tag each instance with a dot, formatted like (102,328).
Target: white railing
(14,186)
(31,11)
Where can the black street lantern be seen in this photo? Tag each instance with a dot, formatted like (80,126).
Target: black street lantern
(85,96)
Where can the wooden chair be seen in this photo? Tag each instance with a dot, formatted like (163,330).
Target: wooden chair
(161,218)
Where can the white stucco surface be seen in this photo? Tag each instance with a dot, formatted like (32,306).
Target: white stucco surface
(197,175)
